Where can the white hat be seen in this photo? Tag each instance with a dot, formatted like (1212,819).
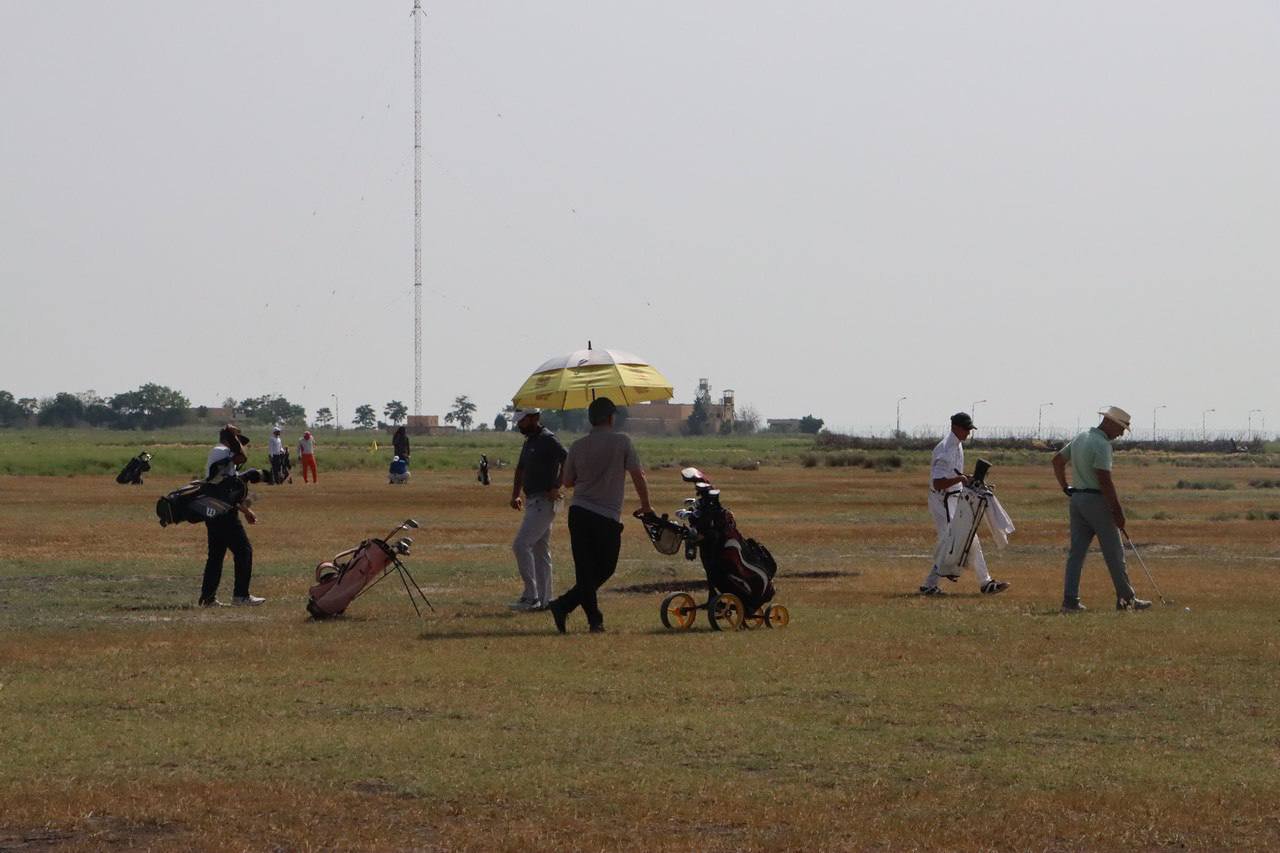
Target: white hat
(1117,414)
(519,414)
(275,429)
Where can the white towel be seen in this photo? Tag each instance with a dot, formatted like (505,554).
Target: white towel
(999,521)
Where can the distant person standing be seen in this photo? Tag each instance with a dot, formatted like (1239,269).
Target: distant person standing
(596,470)
(946,477)
(538,475)
(307,453)
(1095,510)
(226,532)
(400,444)
(275,451)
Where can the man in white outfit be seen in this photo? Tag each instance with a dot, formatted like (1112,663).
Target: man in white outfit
(946,476)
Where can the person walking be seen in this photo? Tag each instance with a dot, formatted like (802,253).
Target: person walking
(946,473)
(1094,509)
(596,470)
(225,532)
(275,451)
(400,444)
(307,453)
(538,475)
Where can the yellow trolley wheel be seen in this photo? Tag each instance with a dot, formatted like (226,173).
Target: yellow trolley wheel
(726,612)
(678,611)
(777,616)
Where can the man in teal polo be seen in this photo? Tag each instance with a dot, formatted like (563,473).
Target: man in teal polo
(1095,509)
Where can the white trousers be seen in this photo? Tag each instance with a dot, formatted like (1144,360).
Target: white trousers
(941,512)
(532,547)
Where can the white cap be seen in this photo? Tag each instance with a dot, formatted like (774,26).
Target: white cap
(275,429)
(519,414)
(1117,414)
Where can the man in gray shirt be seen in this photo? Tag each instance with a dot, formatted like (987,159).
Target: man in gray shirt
(596,470)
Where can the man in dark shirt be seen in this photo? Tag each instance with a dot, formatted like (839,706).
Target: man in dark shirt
(538,475)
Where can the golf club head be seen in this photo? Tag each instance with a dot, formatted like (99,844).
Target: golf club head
(690,502)
(410,523)
(692,475)
(402,548)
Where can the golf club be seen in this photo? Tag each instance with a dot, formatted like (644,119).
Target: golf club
(1147,571)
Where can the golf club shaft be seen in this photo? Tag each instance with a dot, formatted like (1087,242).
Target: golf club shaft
(1145,570)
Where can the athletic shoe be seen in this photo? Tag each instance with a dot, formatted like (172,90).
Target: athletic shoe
(558,614)
(247,600)
(1134,603)
(212,602)
(931,590)
(1073,607)
(994,587)
(524,605)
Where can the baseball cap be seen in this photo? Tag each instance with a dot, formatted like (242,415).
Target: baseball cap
(518,414)
(962,419)
(1117,414)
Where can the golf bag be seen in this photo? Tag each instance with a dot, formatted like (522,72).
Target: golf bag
(732,562)
(398,473)
(975,503)
(132,472)
(482,474)
(202,500)
(344,578)
(281,468)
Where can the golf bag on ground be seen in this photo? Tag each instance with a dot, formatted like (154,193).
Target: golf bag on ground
(344,578)
(482,473)
(132,472)
(732,562)
(398,473)
(200,500)
(281,468)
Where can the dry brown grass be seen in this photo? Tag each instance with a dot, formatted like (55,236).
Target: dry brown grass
(877,719)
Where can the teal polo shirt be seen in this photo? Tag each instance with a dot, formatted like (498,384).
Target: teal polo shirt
(1088,453)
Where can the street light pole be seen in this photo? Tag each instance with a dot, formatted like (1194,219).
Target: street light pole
(1154,435)
(337,422)
(1250,430)
(897,431)
(973,410)
(1204,423)
(1040,418)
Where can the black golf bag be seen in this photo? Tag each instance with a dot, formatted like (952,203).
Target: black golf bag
(281,468)
(482,473)
(132,472)
(732,562)
(202,500)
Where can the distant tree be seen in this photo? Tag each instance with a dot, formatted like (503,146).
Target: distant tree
(229,404)
(396,412)
(202,412)
(270,409)
(699,420)
(28,405)
(747,421)
(811,425)
(64,410)
(462,412)
(726,428)
(500,422)
(324,417)
(149,407)
(366,417)
(10,412)
(483,427)
(565,420)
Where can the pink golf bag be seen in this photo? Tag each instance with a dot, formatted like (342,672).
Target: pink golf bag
(344,578)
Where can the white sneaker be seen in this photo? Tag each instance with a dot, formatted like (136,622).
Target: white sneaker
(247,600)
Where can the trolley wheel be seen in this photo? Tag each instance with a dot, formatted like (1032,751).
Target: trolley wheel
(726,612)
(777,616)
(678,611)
(754,619)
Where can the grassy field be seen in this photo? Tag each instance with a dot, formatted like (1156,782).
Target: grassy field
(877,719)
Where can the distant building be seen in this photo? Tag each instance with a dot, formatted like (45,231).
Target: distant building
(667,418)
(428,425)
(784,424)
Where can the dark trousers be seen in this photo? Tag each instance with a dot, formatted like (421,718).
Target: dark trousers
(226,532)
(596,541)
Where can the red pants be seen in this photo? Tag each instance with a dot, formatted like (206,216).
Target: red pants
(309,464)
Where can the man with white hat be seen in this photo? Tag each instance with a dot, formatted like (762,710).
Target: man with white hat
(538,475)
(275,451)
(1095,509)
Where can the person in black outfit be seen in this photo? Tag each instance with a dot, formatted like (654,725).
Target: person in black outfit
(400,442)
(226,532)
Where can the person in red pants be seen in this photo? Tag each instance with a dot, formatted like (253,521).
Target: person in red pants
(307,452)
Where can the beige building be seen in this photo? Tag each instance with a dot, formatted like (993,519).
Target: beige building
(667,418)
(428,425)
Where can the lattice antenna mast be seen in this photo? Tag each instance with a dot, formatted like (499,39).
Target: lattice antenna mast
(417,207)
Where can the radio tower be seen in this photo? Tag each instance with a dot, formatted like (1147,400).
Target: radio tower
(417,207)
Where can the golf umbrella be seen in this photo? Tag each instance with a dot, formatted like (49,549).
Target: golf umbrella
(572,381)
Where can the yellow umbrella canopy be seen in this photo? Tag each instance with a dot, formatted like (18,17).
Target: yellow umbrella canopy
(572,381)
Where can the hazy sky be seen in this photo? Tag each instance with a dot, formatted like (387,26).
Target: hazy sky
(824,205)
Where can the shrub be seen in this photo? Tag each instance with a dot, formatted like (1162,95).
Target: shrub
(1264,484)
(1263,515)
(1214,485)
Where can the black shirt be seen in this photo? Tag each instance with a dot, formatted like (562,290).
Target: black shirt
(540,459)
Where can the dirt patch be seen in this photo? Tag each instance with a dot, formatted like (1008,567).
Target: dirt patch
(92,833)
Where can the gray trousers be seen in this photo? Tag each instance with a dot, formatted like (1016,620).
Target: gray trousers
(532,547)
(1090,517)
